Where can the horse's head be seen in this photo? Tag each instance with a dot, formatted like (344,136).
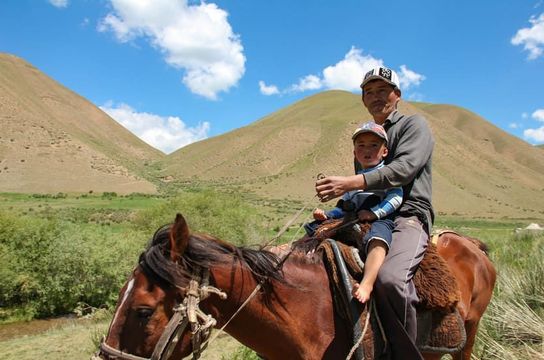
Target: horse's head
(158,303)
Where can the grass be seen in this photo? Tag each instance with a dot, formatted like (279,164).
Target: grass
(78,340)
(23,202)
(70,341)
(512,327)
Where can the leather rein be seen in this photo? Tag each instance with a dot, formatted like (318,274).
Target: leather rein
(186,313)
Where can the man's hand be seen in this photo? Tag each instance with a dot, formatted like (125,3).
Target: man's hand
(319,214)
(334,186)
(365,215)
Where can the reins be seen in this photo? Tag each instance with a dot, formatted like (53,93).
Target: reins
(282,260)
(278,266)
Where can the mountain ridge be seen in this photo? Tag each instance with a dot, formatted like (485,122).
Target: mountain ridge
(54,140)
(478,169)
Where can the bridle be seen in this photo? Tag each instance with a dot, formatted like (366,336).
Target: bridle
(186,313)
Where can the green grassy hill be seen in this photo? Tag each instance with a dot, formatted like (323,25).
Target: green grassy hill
(479,170)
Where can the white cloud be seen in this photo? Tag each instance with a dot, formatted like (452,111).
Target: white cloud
(535,134)
(59,3)
(409,78)
(513,125)
(268,89)
(309,82)
(538,115)
(531,38)
(348,73)
(166,133)
(344,75)
(196,38)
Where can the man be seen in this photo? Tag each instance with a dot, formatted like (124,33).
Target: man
(408,164)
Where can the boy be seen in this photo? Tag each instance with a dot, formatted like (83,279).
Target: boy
(369,149)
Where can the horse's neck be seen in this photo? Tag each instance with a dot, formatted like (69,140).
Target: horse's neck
(294,308)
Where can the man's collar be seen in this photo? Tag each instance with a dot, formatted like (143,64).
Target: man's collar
(393,117)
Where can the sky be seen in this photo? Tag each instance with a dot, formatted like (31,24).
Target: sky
(175,71)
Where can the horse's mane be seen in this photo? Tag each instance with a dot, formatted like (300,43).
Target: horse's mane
(480,244)
(205,251)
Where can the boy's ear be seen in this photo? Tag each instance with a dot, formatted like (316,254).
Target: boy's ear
(385,151)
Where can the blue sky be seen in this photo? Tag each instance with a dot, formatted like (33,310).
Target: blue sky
(175,72)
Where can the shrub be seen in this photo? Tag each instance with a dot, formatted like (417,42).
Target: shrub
(222,215)
(49,267)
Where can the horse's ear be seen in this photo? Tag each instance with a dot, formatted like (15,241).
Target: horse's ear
(179,237)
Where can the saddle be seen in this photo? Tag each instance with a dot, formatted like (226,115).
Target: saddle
(440,327)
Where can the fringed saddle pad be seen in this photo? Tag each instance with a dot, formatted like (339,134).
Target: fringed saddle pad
(436,287)
(435,284)
(440,332)
(440,327)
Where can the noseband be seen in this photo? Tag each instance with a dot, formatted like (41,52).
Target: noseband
(188,312)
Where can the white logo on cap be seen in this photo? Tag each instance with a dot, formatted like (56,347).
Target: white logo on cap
(386,73)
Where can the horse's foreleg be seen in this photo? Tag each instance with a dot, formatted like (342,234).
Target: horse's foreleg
(471,328)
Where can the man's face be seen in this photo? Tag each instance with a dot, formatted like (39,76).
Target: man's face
(380,99)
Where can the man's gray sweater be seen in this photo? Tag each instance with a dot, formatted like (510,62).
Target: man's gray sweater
(408,164)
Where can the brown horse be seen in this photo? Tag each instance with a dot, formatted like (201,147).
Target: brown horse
(182,279)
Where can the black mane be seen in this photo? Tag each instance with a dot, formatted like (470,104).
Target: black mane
(204,251)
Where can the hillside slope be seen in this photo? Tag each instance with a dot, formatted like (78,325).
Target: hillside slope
(479,170)
(54,140)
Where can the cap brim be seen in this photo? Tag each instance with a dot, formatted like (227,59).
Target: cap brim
(377,77)
(362,131)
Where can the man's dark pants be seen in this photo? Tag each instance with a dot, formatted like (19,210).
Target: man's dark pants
(394,291)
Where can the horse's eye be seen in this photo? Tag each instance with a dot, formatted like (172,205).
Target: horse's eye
(144,313)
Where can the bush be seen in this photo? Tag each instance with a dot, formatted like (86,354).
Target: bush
(48,267)
(109,195)
(222,215)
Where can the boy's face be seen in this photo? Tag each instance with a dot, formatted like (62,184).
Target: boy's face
(369,149)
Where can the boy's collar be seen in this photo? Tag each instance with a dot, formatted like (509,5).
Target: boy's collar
(371,168)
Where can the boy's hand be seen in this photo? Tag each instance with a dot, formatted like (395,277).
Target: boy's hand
(365,215)
(319,214)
